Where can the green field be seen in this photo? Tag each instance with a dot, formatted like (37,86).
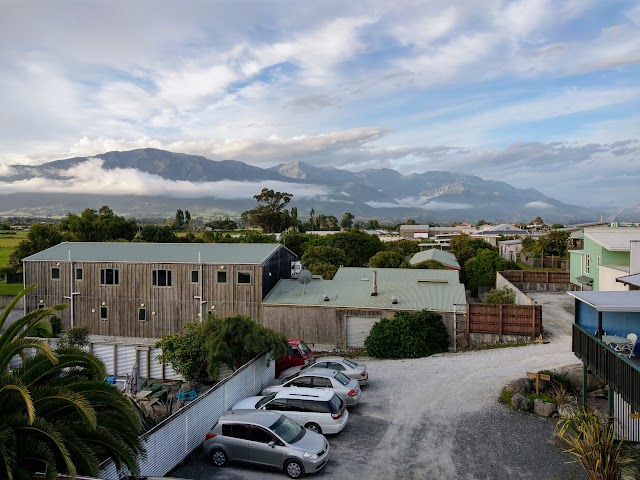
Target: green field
(8,244)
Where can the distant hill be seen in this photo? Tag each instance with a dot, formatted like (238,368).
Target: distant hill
(436,196)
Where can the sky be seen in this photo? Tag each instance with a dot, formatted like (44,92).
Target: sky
(539,94)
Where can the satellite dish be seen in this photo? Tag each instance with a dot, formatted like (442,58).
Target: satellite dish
(304,276)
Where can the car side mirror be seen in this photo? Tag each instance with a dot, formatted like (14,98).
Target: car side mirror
(272,444)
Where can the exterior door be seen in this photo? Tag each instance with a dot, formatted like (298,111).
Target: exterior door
(358,329)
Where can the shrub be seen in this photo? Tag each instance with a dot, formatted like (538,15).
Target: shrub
(500,296)
(75,337)
(408,335)
(561,378)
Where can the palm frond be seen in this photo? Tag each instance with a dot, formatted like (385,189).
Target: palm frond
(15,347)
(53,402)
(8,452)
(5,313)
(11,387)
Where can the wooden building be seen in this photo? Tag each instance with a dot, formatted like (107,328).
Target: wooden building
(150,289)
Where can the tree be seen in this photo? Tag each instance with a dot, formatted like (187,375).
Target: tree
(464,247)
(538,221)
(411,221)
(186,352)
(187,218)
(297,242)
(347,220)
(406,248)
(312,215)
(327,270)
(58,415)
(387,260)
(557,226)
(373,224)
(40,237)
(500,296)
(324,254)
(531,247)
(431,264)
(554,243)
(270,214)
(357,245)
(101,226)
(158,234)
(179,221)
(479,223)
(295,223)
(481,269)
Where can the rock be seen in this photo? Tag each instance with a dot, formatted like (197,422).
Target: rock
(568,410)
(546,409)
(520,402)
(575,375)
(521,385)
(600,393)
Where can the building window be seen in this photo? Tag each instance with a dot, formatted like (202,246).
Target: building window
(109,276)
(598,260)
(244,277)
(222,277)
(79,274)
(142,314)
(55,273)
(104,313)
(587,263)
(41,306)
(195,276)
(161,278)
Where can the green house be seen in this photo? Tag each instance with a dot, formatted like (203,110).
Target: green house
(604,257)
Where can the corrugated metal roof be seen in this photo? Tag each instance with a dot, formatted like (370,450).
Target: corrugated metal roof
(247,253)
(614,240)
(610,301)
(447,258)
(399,275)
(411,295)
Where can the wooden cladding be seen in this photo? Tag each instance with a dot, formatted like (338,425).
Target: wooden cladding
(621,373)
(129,287)
(504,319)
(532,276)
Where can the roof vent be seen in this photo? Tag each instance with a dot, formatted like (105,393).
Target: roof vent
(326,297)
(374,286)
(394,300)
(433,280)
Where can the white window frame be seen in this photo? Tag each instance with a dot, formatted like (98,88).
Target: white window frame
(587,263)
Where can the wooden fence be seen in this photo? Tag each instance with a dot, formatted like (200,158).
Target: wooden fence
(546,262)
(535,276)
(521,320)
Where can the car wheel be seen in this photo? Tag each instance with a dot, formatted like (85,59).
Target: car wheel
(314,427)
(219,457)
(294,469)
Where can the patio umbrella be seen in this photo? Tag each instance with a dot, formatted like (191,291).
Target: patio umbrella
(135,378)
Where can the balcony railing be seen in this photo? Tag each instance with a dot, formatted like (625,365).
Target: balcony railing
(622,374)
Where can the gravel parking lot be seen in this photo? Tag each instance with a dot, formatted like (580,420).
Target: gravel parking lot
(438,417)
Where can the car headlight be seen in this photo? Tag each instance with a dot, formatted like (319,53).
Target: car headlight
(312,456)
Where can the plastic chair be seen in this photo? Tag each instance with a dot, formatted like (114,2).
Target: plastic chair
(627,350)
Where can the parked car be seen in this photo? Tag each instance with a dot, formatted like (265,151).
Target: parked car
(346,388)
(351,369)
(298,354)
(317,409)
(266,438)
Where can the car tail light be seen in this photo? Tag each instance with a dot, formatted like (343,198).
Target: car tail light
(336,416)
(209,436)
(352,393)
(363,374)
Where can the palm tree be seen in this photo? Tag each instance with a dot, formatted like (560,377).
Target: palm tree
(57,415)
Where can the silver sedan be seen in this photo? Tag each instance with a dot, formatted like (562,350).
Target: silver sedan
(346,366)
(346,388)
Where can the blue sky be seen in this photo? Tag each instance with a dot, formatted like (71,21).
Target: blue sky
(541,94)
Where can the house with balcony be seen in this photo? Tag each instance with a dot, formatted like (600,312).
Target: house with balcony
(605,256)
(604,319)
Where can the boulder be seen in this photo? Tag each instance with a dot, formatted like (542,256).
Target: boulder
(568,410)
(520,402)
(521,386)
(546,409)
(575,374)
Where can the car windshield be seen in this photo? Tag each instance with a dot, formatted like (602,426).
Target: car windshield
(342,378)
(264,400)
(346,361)
(304,348)
(288,430)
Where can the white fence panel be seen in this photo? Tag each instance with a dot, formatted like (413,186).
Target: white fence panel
(126,358)
(170,442)
(106,353)
(156,366)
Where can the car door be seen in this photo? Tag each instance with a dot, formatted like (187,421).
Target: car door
(301,381)
(322,382)
(235,440)
(296,411)
(261,452)
(337,366)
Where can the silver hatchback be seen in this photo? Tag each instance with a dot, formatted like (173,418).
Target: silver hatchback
(269,439)
(346,388)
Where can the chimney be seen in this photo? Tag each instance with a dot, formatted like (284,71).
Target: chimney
(374,286)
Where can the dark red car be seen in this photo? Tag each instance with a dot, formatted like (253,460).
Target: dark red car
(298,354)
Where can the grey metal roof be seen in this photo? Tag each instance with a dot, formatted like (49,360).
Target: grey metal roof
(363,274)
(446,258)
(584,279)
(614,239)
(610,301)
(137,252)
(630,280)
(353,292)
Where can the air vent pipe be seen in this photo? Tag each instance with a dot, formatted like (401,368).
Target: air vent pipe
(374,286)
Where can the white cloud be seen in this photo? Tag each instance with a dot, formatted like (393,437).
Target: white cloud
(542,205)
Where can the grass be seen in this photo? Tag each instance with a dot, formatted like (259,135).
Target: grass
(8,244)
(497,345)
(10,288)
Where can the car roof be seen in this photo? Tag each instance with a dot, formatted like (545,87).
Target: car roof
(305,393)
(259,417)
(330,359)
(318,372)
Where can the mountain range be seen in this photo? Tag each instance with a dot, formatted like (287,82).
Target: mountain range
(150,182)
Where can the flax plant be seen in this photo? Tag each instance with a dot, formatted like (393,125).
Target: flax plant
(591,440)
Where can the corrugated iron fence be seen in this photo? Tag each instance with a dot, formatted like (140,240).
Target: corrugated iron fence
(172,440)
(501,320)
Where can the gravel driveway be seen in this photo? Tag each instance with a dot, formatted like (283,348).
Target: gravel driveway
(438,418)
